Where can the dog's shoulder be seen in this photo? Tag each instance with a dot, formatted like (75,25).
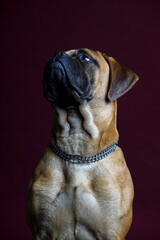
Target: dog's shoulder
(47,173)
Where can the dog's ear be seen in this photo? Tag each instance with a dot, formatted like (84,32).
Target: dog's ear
(122,79)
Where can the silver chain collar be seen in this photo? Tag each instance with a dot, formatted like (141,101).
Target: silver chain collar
(82,160)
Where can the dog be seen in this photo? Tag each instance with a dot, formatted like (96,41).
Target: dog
(81,188)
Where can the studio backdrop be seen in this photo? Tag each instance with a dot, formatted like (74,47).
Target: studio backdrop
(31,32)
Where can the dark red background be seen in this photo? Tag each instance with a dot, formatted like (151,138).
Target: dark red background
(31,31)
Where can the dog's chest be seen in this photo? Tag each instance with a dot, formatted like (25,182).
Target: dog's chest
(75,206)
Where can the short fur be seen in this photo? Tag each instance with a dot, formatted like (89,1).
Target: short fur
(69,201)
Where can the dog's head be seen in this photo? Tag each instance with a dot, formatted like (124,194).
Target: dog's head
(77,75)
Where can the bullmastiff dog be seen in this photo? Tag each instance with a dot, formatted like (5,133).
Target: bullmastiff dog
(81,188)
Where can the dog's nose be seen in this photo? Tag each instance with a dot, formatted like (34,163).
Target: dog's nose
(59,54)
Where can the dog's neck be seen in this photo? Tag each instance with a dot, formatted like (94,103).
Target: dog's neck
(86,130)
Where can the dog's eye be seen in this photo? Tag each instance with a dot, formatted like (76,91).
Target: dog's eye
(85,57)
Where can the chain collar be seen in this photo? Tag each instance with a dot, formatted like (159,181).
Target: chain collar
(82,160)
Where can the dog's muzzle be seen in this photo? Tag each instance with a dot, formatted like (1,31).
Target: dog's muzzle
(65,82)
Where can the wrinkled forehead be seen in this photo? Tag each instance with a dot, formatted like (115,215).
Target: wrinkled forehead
(94,54)
(85,50)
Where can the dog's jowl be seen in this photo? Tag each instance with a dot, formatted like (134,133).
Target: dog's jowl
(81,188)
